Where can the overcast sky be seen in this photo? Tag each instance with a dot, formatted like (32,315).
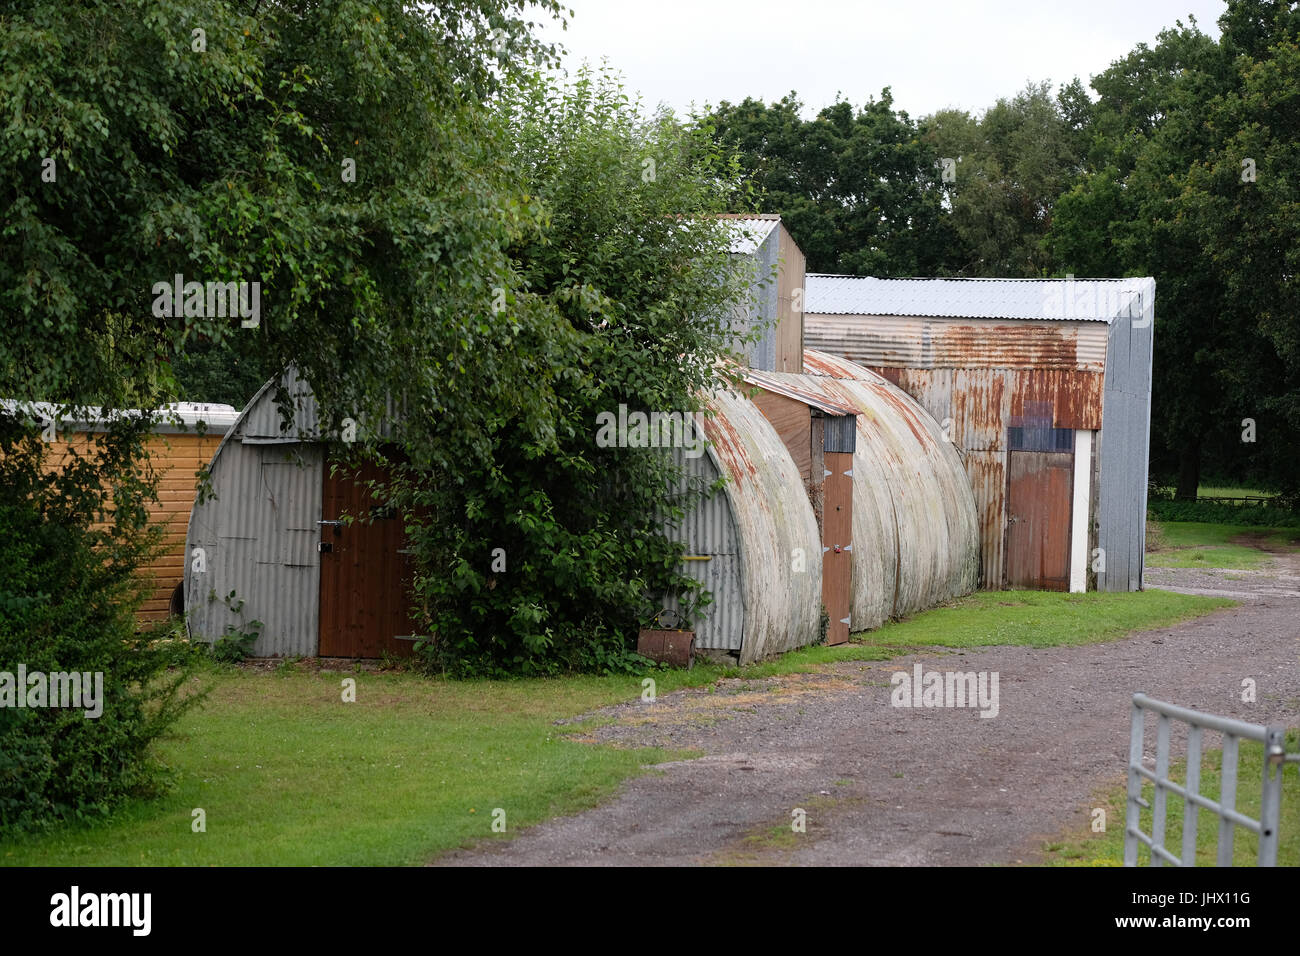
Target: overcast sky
(933,53)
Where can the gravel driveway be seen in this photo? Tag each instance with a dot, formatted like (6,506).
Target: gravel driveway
(887,786)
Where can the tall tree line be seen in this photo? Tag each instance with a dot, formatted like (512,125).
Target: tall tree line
(1180,165)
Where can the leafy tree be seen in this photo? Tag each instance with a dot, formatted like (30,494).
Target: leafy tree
(1009,166)
(633,269)
(1166,195)
(857,188)
(213,139)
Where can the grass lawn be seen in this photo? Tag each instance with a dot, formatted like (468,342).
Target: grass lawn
(1226,491)
(1189,544)
(1042,618)
(1107,849)
(289,774)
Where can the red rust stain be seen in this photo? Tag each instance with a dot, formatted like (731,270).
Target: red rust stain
(1075,396)
(1022,345)
(729,448)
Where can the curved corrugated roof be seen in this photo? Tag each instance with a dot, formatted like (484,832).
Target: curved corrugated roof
(1085,300)
(773,516)
(915,527)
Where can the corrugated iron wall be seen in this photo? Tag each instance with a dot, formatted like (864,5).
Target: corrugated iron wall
(776,529)
(259,534)
(709,532)
(915,541)
(929,342)
(974,377)
(1122,492)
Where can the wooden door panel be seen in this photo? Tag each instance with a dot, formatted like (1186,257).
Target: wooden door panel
(365,578)
(1040,488)
(837,533)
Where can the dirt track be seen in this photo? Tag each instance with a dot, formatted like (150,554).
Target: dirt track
(883,785)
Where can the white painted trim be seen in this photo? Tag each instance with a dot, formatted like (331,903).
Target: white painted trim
(1079,509)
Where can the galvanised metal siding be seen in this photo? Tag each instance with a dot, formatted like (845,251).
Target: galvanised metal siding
(774,520)
(259,533)
(841,433)
(262,418)
(915,525)
(923,342)
(1126,416)
(708,530)
(1089,300)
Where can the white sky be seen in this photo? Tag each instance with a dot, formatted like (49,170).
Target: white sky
(933,53)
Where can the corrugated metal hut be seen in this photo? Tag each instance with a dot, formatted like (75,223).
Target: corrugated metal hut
(1043,386)
(270,545)
(776,310)
(911,539)
(271,534)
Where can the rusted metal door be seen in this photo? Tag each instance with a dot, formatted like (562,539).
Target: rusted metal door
(837,544)
(1040,486)
(365,577)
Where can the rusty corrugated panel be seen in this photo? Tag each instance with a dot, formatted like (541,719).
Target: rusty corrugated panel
(1074,396)
(920,342)
(987,471)
(775,525)
(1038,519)
(981,401)
(914,519)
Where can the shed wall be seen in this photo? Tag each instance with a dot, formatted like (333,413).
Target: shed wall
(1123,458)
(259,531)
(915,540)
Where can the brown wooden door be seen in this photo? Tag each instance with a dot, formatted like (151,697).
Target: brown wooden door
(1039,493)
(837,538)
(364,576)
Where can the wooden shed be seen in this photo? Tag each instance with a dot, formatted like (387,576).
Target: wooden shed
(184,439)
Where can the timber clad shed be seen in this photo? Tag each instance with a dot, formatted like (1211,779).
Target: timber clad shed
(184,437)
(1044,388)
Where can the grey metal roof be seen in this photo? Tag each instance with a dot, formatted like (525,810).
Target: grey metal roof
(170,419)
(749,232)
(1089,300)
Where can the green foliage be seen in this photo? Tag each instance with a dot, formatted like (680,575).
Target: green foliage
(71,542)
(632,277)
(1210,512)
(858,189)
(1010,166)
(1168,194)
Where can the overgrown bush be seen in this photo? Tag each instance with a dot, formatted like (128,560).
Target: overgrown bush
(71,543)
(544,554)
(1211,512)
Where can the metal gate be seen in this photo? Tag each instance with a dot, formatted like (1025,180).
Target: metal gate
(1225,807)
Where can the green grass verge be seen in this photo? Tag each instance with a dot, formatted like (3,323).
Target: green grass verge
(1107,849)
(1191,544)
(1228,491)
(1043,618)
(287,773)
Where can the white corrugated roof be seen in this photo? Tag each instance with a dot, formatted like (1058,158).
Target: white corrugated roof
(179,416)
(1087,300)
(749,232)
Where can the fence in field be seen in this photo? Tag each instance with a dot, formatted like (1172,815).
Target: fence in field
(1225,808)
